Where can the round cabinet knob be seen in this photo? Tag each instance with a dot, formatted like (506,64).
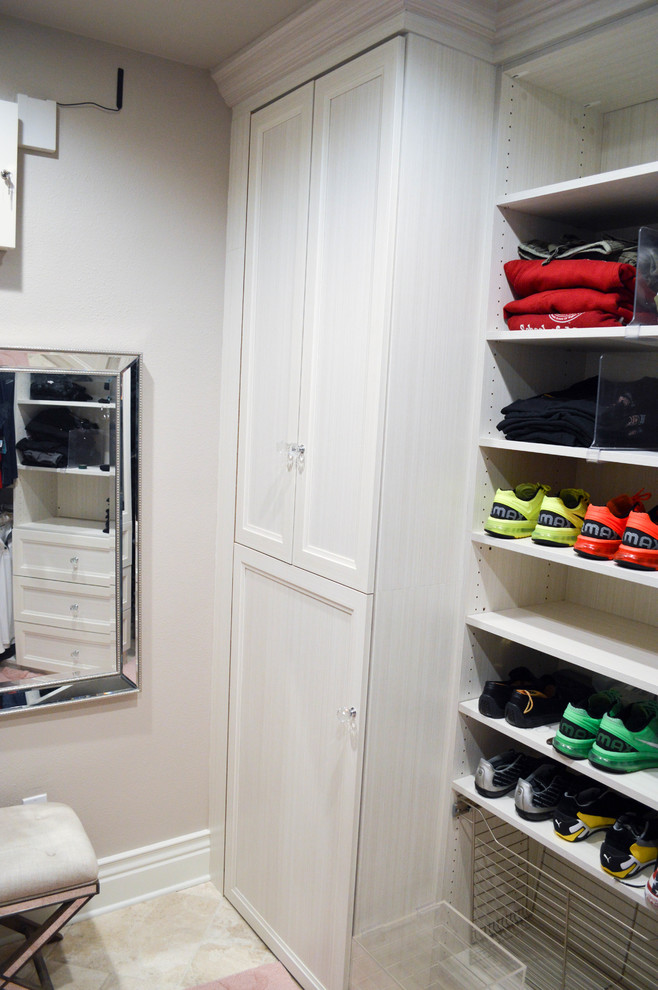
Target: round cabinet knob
(75,654)
(346,714)
(75,561)
(74,608)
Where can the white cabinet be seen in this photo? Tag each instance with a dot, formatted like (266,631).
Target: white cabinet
(299,665)
(321,204)
(350,328)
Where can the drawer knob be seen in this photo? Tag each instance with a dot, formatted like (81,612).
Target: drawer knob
(74,607)
(75,654)
(75,561)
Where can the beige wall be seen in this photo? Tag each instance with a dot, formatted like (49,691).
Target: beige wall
(121,247)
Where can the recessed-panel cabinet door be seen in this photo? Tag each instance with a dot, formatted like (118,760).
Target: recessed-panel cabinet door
(279,163)
(298,681)
(349,278)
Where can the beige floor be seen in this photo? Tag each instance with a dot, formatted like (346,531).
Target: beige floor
(170,943)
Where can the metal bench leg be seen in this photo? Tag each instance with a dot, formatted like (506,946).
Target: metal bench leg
(31,947)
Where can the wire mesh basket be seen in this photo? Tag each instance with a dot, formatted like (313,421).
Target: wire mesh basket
(572,932)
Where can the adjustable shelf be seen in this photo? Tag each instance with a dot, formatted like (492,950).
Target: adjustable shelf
(58,524)
(624,197)
(66,403)
(88,470)
(569,558)
(603,338)
(585,855)
(641,785)
(638,458)
(601,642)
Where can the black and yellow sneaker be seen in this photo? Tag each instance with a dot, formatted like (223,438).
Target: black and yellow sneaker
(591,809)
(631,844)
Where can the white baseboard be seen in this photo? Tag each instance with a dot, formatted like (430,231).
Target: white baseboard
(140,874)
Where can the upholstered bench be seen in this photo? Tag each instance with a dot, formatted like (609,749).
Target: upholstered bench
(46,860)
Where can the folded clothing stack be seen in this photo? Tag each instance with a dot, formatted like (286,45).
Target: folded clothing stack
(569,293)
(566,417)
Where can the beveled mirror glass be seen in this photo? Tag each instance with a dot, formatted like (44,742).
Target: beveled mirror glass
(69,527)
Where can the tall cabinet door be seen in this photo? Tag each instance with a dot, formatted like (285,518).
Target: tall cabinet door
(348,284)
(279,163)
(299,664)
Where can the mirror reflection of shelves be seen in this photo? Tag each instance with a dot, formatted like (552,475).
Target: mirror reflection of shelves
(65,561)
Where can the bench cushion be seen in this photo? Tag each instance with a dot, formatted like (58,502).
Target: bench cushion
(43,849)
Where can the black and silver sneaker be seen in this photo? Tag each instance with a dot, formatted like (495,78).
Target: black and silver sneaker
(537,796)
(499,775)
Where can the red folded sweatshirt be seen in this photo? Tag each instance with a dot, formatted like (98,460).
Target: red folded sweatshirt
(561,321)
(619,304)
(527,277)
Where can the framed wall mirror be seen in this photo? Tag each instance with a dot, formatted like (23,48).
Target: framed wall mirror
(69,527)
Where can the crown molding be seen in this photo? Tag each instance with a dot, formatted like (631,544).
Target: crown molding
(342,28)
(326,32)
(524,27)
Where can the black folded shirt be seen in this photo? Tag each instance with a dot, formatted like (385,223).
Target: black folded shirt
(565,417)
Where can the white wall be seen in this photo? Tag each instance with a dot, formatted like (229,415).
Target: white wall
(121,247)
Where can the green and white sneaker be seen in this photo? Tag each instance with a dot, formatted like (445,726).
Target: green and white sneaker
(561,518)
(627,740)
(581,721)
(514,514)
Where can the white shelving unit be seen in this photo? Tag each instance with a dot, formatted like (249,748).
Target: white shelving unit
(530,605)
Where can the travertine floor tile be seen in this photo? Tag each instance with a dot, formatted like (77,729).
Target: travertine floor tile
(170,943)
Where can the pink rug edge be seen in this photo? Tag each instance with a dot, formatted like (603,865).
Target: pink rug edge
(281,979)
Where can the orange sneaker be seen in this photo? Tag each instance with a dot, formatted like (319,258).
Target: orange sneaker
(639,546)
(604,526)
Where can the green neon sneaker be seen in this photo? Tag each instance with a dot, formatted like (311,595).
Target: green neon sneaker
(514,513)
(561,518)
(581,721)
(628,740)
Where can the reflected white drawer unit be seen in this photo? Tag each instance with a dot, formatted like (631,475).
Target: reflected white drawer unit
(54,650)
(65,554)
(85,607)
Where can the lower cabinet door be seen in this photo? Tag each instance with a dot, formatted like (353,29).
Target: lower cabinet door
(299,663)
